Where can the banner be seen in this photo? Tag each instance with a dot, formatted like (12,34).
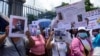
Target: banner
(94,19)
(94,22)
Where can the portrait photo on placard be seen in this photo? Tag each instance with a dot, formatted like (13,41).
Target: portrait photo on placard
(79,18)
(18,26)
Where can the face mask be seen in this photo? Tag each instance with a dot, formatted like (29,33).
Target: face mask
(38,32)
(83,35)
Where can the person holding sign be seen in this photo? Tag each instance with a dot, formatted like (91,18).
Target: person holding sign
(14,46)
(39,48)
(58,45)
(81,45)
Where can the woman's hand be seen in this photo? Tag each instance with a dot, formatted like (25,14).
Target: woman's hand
(31,41)
(7,31)
(51,33)
(28,34)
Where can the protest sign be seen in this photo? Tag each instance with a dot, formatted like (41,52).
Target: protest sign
(94,19)
(80,24)
(33,27)
(17,26)
(73,13)
(94,22)
(65,26)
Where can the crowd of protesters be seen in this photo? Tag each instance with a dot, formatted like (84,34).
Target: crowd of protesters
(76,42)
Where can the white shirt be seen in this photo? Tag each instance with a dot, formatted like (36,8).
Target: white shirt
(59,49)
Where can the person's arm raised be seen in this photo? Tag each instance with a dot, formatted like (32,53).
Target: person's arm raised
(31,41)
(48,44)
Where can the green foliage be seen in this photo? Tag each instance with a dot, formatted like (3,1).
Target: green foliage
(31,18)
(48,14)
(89,6)
(63,4)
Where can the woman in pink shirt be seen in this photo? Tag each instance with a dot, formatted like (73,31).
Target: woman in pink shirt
(81,46)
(39,48)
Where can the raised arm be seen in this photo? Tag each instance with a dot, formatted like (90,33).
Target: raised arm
(3,37)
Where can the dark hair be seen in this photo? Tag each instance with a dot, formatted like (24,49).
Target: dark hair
(95,30)
(82,31)
(3,24)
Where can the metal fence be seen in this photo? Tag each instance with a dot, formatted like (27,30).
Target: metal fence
(26,9)
(15,8)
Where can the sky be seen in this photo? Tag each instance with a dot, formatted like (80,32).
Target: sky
(50,4)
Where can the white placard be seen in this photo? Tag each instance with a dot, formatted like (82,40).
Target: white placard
(80,24)
(66,26)
(18,26)
(71,12)
(35,24)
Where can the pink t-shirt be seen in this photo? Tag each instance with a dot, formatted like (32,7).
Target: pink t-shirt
(39,47)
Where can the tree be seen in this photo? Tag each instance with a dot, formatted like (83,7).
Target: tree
(48,14)
(31,18)
(89,6)
(63,4)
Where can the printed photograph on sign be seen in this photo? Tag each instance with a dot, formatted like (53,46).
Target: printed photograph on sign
(32,29)
(79,18)
(17,26)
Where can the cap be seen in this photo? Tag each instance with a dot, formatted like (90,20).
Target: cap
(82,28)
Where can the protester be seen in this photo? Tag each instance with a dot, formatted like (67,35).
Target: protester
(96,42)
(58,45)
(14,46)
(95,32)
(39,48)
(81,45)
(73,33)
(48,50)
